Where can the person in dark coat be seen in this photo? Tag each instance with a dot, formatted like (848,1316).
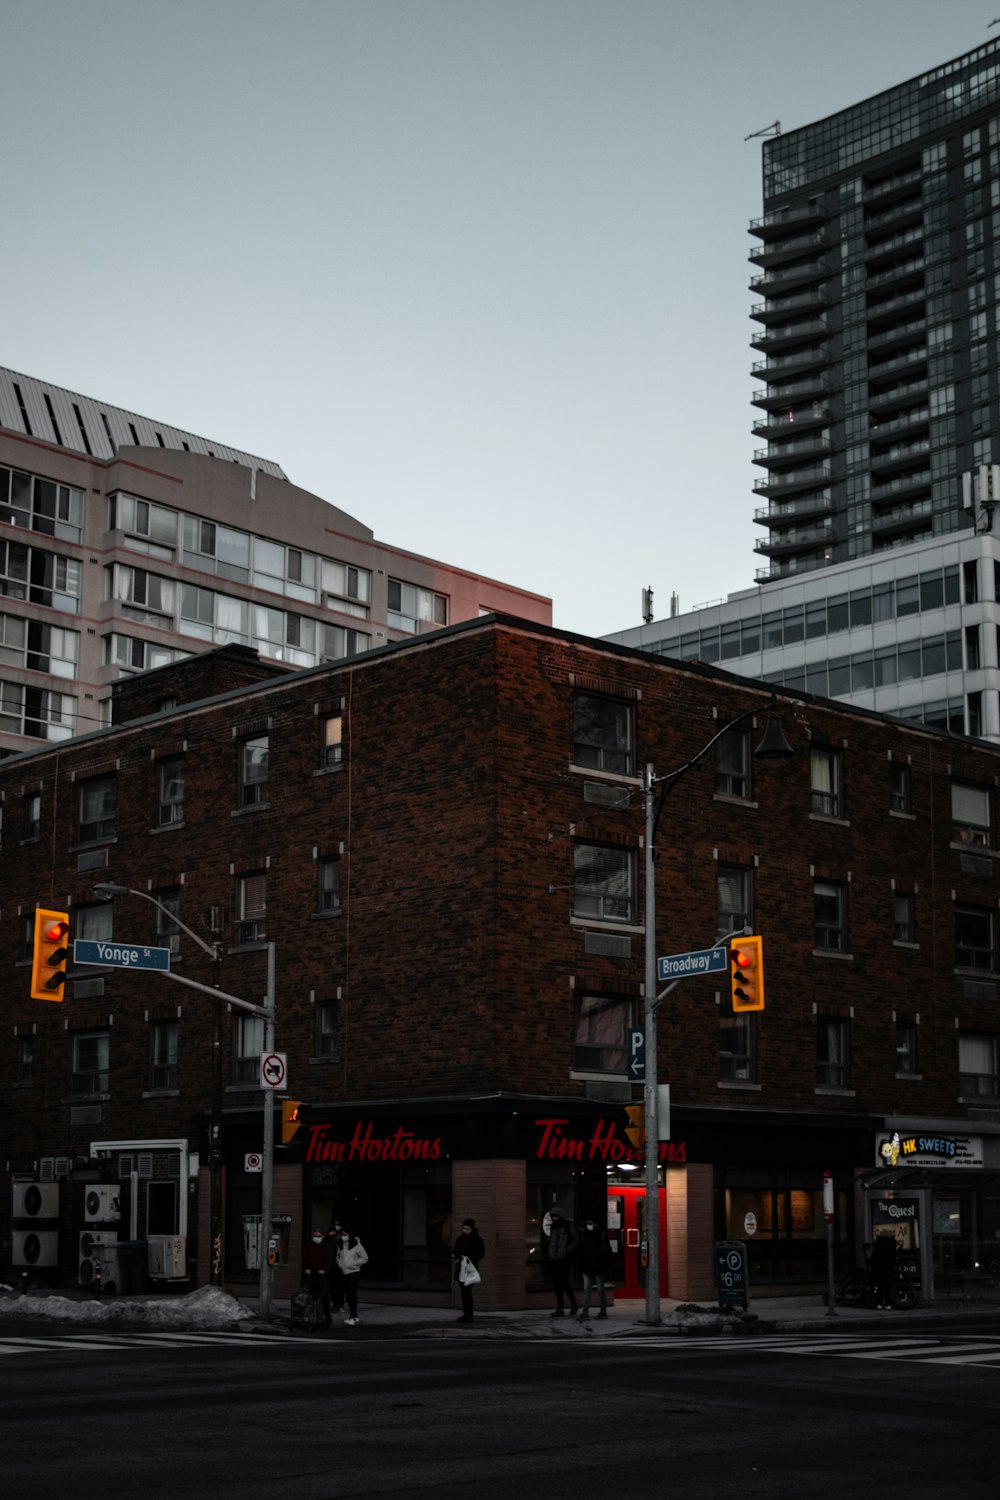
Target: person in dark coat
(336,1278)
(470,1243)
(317,1262)
(595,1262)
(559,1248)
(883,1268)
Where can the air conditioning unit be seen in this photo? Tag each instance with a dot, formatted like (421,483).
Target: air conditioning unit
(102,1204)
(168,1257)
(98,1253)
(35,1247)
(35,1200)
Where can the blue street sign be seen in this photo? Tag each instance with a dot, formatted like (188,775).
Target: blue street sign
(637,1056)
(120,955)
(684,965)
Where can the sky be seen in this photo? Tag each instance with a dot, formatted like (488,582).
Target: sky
(474,271)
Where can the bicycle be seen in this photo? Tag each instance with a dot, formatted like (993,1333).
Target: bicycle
(858,1290)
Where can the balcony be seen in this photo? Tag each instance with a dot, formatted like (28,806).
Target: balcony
(902,518)
(778,309)
(896,394)
(779,281)
(917,416)
(910,211)
(816,356)
(911,297)
(781,424)
(794,479)
(814,383)
(900,454)
(806,508)
(906,484)
(900,333)
(797,539)
(904,270)
(908,360)
(894,244)
(781,220)
(878,190)
(776,252)
(811,446)
(789,333)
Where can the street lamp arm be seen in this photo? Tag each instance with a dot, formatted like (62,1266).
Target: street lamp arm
(106,890)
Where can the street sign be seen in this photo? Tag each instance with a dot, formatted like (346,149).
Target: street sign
(253,1162)
(636,1056)
(731,1273)
(685,965)
(120,955)
(274,1070)
(750,1224)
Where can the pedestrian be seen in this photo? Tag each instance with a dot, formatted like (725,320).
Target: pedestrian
(595,1263)
(336,1278)
(883,1267)
(559,1248)
(317,1263)
(470,1243)
(351,1256)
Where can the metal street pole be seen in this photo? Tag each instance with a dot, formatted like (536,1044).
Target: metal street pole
(267,1165)
(652,1144)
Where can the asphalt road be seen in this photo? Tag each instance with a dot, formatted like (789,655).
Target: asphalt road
(902,1414)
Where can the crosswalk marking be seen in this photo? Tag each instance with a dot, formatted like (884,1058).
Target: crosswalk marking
(78,1343)
(982,1352)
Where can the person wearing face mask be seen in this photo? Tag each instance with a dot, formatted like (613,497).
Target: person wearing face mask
(595,1262)
(317,1263)
(351,1256)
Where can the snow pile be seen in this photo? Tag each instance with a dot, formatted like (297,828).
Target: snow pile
(208,1307)
(693,1315)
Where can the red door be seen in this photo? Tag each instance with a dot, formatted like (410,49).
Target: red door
(627,1234)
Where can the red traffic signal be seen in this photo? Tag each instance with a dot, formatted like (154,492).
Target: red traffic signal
(50,954)
(746,973)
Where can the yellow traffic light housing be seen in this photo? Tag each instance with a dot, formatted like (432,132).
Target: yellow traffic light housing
(293,1114)
(50,954)
(746,973)
(635,1130)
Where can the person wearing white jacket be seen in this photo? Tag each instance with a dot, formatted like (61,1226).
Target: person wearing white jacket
(351,1256)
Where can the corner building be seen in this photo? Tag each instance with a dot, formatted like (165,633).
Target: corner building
(443,840)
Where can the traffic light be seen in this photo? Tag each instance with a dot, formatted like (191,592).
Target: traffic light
(293,1115)
(746,973)
(636,1127)
(50,954)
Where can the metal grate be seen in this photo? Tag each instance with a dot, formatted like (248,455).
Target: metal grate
(607,944)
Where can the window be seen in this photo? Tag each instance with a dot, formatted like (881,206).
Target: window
(732,765)
(171,793)
(253,771)
(38,647)
(36,712)
(327,1029)
(136,655)
(975,937)
(216,549)
(95,923)
(971,815)
(164,1055)
(833,1059)
(26,939)
(154,522)
(346,588)
(214,617)
(603,883)
(32,817)
(602,734)
(252,896)
(906,1047)
(146,591)
(410,607)
(337,642)
(333,740)
(733,899)
(600,1033)
(329,885)
(904,917)
(168,934)
(98,809)
(829,902)
(24,1059)
(825,774)
(977,1067)
(91,1051)
(899,787)
(249,1046)
(41,505)
(736,1049)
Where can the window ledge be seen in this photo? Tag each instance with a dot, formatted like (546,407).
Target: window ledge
(899,943)
(986,1101)
(85,1099)
(990,976)
(584,1075)
(732,801)
(23,1083)
(324,916)
(328,770)
(987,851)
(244,1088)
(324,1061)
(248,812)
(832,953)
(911,1077)
(167,827)
(815,817)
(161,1093)
(92,844)
(622,778)
(738,1084)
(894,812)
(25,843)
(828,1089)
(599,926)
(254,947)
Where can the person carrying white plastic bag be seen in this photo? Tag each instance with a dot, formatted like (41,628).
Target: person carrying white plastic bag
(468,1247)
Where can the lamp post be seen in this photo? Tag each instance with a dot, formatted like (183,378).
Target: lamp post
(105,890)
(773,746)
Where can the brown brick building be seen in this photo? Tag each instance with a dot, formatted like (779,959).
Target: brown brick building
(444,841)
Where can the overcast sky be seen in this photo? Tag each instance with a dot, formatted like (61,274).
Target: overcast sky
(473,270)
